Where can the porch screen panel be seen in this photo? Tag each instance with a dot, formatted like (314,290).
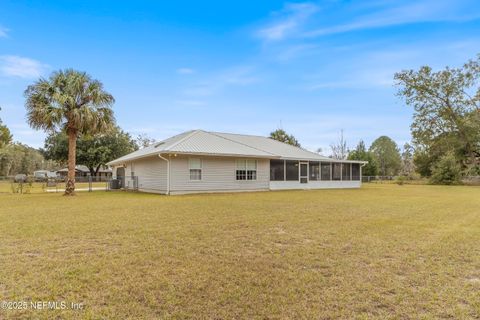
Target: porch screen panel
(355,171)
(326,167)
(277,170)
(337,171)
(314,170)
(303,169)
(346,171)
(292,170)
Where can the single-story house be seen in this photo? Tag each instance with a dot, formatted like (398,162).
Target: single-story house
(199,161)
(82,173)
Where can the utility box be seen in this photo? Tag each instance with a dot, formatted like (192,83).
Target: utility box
(115,184)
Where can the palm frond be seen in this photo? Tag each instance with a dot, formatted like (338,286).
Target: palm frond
(69,99)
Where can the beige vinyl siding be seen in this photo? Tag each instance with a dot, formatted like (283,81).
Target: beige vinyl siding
(218,174)
(151,173)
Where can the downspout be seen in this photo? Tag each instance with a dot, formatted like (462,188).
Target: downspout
(168,172)
(361,173)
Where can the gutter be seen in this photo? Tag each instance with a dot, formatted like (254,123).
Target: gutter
(168,172)
(361,173)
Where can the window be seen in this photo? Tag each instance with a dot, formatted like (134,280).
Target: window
(337,171)
(314,170)
(355,171)
(246,170)
(195,166)
(346,171)
(277,170)
(292,170)
(326,171)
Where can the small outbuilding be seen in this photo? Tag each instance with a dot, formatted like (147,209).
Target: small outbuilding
(199,161)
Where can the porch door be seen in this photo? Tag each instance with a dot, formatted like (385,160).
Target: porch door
(121,176)
(303,172)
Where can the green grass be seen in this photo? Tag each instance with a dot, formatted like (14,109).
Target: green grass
(383,251)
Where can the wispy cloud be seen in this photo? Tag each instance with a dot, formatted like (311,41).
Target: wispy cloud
(416,12)
(306,20)
(243,75)
(185,71)
(235,76)
(287,21)
(3,32)
(16,66)
(361,78)
(375,68)
(191,103)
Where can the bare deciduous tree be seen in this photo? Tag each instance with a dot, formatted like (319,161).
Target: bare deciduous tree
(339,148)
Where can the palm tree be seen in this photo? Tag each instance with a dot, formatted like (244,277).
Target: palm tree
(71,101)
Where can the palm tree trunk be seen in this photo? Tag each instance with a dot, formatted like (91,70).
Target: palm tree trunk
(72,146)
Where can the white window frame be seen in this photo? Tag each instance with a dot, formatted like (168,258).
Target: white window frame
(190,160)
(246,169)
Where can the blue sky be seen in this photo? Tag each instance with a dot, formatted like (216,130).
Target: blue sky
(313,68)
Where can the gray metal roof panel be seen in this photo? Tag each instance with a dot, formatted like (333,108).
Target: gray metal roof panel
(272,146)
(210,143)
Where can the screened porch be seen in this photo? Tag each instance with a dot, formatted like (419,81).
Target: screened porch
(313,171)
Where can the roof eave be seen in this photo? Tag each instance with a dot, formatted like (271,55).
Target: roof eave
(212,154)
(322,160)
(123,161)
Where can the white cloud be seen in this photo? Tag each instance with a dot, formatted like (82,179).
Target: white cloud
(292,16)
(15,66)
(3,32)
(185,71)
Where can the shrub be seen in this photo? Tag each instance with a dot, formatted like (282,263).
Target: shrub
(447,170)
(473,171)
(400,180)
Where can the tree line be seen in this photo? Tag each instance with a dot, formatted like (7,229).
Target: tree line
(93,150)
(16,157)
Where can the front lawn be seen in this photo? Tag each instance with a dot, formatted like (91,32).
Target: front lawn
(383,251)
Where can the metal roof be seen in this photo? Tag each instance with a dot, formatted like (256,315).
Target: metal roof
(199,142)
(78,167)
